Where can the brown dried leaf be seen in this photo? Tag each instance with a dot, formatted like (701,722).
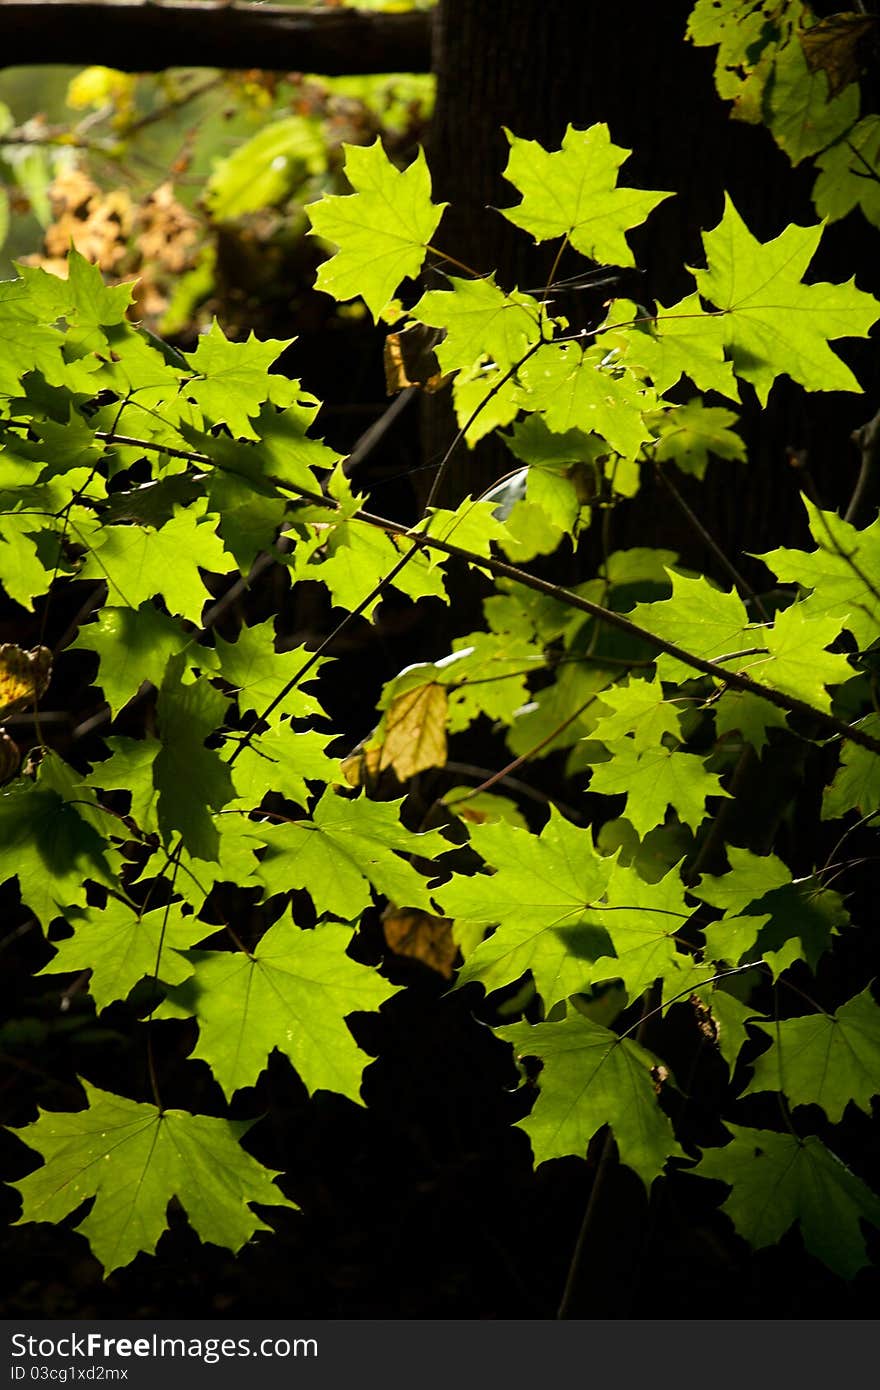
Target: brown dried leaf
(24,676)
(360,767)
(165,231)
(410,360)
(97,223)
(413,731)
(421,936)
(832,46)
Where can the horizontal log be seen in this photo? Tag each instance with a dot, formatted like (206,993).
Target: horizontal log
(148,37)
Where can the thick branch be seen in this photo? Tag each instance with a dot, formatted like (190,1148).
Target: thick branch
(148,37)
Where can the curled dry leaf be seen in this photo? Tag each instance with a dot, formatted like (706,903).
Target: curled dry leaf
(421,936)
(410,359)
(24,676)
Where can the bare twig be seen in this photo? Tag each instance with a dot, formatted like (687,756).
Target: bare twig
(867,441)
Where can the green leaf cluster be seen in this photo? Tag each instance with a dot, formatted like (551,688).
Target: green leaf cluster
(154,479)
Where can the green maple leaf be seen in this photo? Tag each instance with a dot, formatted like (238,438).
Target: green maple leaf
(49,298)
(258,673)
(138,562)
(549,714)
(801,115)
(544,897)
(591,1078)
(26,343)
(572,192)
(529,530)
(281,761)
(641,920)
(856,783)
(683,340)
(639,708)
(133,1158)
(121,947)
(50,842)
(654,779)
(797,662)
(741,30)
(839,572)
(689,433)
(130,769)
(752,884)
(774,324)
(794,921)
(354,558)
(191,779)
(778,1179)
(730,1016)
(473,525)
(249,522)
(741,712)
(235,862)
(751,877)
(842,184)
(382,230)
(280,454)
(700,618)
(94,306)
(133,645)
(574,389)
(150,405)
(825,1059)
(480,320)
(485,399)
(555,496)
(735,938)
(22,573)
(346,846)
(487,675)
(534,443)
(233,378)
(803,918)
(292,993)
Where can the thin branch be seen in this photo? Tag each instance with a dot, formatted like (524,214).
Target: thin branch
(462,433)
(524,757)
(602,1169)
(867,441)
(516,785)
(709,540)
(735,680)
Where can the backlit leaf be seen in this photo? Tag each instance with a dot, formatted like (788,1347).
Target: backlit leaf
(382,229)
(591,1077)
(778,1179)
(773,323)
(572,192)
(292,993)
(824,1059)
(133,1158)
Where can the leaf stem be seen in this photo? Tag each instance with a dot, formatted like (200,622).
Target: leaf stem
(453,260)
